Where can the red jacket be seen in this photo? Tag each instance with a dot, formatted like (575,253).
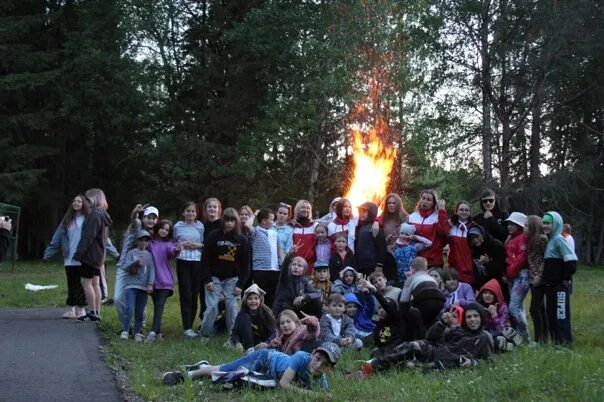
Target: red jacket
(516,255)
(460,254)
(434,227)
(304,238)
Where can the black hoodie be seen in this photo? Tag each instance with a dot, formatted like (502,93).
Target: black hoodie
(495,225)
(95,230)
(370,250)
(452,342)
(494,249)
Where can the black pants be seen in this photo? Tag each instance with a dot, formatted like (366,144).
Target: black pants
(189,281)
(557,305)
(75,292)
(538,315)
(159,296)
(267,280)
(430,308)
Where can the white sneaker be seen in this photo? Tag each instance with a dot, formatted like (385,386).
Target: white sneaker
(151,336)
(139,338)
(189,333)
(124,335)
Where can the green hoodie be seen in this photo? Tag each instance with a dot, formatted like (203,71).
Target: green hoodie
(560,261)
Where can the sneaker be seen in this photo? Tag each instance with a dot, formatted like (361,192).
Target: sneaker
(107,300)
(189,333)
(512,336)
(358,344)
(88,318)
(139,338)
(196,366)
(70,314)
(124,335)
(81,311)
(151,336)
(205,339)
(173,377)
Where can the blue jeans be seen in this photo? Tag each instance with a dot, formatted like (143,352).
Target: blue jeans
(519,287)
(222,287)
(136,300)
(258,360)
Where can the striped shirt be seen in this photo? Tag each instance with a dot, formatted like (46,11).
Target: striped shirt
(264,249)
(189,232)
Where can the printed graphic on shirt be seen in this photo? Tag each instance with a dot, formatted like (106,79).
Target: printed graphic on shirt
(230,250)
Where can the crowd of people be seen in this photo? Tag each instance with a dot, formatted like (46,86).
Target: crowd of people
(425,289)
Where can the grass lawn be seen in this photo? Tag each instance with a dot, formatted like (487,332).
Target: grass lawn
(542,373)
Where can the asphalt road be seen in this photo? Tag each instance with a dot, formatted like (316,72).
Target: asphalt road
(46,358)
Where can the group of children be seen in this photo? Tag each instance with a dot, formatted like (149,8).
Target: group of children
(294,291)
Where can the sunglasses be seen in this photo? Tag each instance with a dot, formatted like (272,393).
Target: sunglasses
(489,200)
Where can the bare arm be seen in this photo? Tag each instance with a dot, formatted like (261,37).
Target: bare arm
(287,382)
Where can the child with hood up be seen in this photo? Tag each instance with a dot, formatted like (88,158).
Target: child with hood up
(348,282)
(559,266)
(370,249)
(361,313)
(446,345)
(491,297)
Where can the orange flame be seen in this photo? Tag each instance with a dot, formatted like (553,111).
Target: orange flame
(373,162)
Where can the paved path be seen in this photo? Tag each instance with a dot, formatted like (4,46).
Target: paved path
(46,358)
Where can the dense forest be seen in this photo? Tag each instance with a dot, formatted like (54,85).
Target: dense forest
(252,101)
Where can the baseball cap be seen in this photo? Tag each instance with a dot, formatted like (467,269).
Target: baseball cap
(151,210)
(332,351)
(142,233)
(321,265)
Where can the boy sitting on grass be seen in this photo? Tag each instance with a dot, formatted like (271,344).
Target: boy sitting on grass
(301,366)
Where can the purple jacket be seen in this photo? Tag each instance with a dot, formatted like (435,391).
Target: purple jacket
(462,295)
(162,252)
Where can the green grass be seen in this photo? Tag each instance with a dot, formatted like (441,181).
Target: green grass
(543,373)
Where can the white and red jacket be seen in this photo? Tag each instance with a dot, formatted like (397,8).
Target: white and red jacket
(460,254)
(304,238)
(342,225)
(434,226)
(516,256)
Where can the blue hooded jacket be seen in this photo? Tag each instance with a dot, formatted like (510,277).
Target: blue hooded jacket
(362,320)
(560,261)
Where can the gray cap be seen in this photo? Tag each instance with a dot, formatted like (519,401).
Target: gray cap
(142,233)
(332,351)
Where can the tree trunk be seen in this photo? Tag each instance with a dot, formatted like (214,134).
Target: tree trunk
(534,192)
(485,81)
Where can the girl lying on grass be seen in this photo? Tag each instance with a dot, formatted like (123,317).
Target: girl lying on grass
(302,367)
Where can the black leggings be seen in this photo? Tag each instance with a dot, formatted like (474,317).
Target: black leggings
(75,292)
(537,311)
(189,281)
